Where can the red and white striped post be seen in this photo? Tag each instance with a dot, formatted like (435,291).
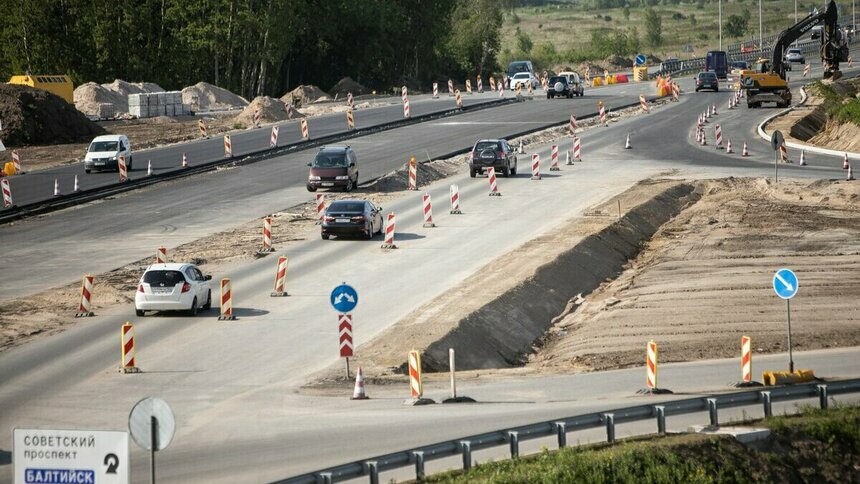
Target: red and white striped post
(86,307)
(845,164)
(553,166)
(427,207)
(571,126)
(535,167)
(320,207)
(7,193)
(350,101)
(455,200)
(450,87)
(501,89)
(519,91)
(390,224)
(289,109)
(783,153)
(350,120)
(651,366)
(458,99)
(404,93)
(306,133)
(280,289)
(577,148)
(719,135)
(492,83)
(123,169)
(16,162)
(416,389)
(127,362)
(643,104)
(226,301)
(412,183)
(257,117)
(468,86)
(746,359)
(344,329)
(602,113)
(491,176)
(435,90)
(228,146)
(406,112)
(480,85)
(201,125)
(273,139)
(530,89)
(161,255)
(184,160)
(267,235)
(676,91)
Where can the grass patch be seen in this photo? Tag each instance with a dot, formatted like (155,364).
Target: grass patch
(841,104)
(816,446)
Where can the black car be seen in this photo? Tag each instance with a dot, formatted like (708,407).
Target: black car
(558,86)
(707,80)
(492,152)
(352,217)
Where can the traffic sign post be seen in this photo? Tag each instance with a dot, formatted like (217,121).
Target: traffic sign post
(42,455)
(776,140)
(785,286)
(151,424)
(640,60)
(344,298)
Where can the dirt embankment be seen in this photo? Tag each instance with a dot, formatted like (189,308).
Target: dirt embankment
(34,116)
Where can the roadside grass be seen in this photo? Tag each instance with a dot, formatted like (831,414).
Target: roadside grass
(815,446)
(844,107)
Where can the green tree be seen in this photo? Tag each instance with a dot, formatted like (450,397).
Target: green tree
(475,35)
(524,42)
(626,12)
(653,28)
(735,26)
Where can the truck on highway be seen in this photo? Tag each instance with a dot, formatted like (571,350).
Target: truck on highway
(718,62)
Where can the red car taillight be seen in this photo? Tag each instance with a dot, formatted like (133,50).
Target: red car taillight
(359,218)
(329,219)
(186,287)
(140,288)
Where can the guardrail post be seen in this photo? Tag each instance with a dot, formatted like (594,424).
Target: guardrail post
(467,454)
(561,432)
(712,412)
(610,427)
(324,478)
(766,403)
(372,471)
(822,396)
(514,441)
(661,419)
(419,465)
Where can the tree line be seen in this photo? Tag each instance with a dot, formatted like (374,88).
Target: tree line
(252,47)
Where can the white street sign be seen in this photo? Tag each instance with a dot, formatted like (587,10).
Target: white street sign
(66,456)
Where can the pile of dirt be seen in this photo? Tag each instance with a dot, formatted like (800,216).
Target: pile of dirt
(88,96)
(653,60)
(33,116)
(397,180)
(813,123)
(838,136)
(618,62)
(347,85)
(304,95)
(204,96)
(271,111)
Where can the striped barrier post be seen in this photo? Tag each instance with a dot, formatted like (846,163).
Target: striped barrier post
(643,104)
(228,146)
(458,99)
(651,366)
(745,152)
(845,164)
(468,86)
(404,93)
(492,83)
(602,113)
(535,166)
(57,187)
(491,176)
(226,301)
(746,359)
(676,91)
(435,90)
(450,87)
(427,207)
(519,90)
(406,113)
(280,289)
(161,255)
(802,161)
(455,200)
(127,363)
(320,207)
(718,133)
(306,133)
(390,224)
(553,166)
(571,126)
(201,125)
(412,183)
(501,89)
(350,101)
(85,309)
(16,162)
(184,160)
(289,109)
(416,389)
(806,70)
(480,85)
(350,120)
(273,139)
(123,169)
(257,117)
(783,153)
(344,323)
(267,235)
(530,89)
(577,149)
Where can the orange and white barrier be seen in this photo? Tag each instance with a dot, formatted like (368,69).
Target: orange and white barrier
(406,112)
(412,183)
(306,132)
(577,149)
(358,392)
(468,86)
(404,93)
(350,120)
(228,146)
(806,70)
(571,126)
(651,366)
(745,152)
(390,224)
(602,111)
(435,90)
(267,235)
(676,91)
(491,176)
(161,255)
(201,125)
(480,85)
(184,160)
(226,301)
(281,277)
(553,157)
(535,166)
(783,153)
(350,101)
(850,64)
(455,200)
(746,359)
(123,169)
(344,325)
(289,109)
(7,193)
(719,136)
(273,139)
(458,99)
(450,87)
(643,104)
(845,164)
(127,338)
(16,162)
(320,208)
(519,90)
(427,207)
(416,389)
(257,117)
(802,158)
(501,89)
(85,309)
(492,83)
(530,89)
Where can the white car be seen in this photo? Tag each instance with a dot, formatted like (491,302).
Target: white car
(173,287)
(104,152)
(524,78)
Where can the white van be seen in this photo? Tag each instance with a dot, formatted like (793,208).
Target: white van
(104,151)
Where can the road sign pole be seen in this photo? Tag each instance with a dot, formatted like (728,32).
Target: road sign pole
(776,166)
(153,425)
(790,356)
(347,368)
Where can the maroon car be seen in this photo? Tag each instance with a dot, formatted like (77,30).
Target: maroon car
(333,167)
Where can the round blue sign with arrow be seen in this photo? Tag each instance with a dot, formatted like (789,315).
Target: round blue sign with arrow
(785,283)
(344,298)
(640,60)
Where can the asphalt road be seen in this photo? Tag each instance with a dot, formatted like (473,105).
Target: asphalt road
(233,384)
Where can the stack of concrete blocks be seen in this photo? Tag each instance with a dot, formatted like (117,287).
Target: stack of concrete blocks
(106,110)
(157,104)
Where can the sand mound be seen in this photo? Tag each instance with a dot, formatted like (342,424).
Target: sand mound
(397,180)
(88,96)
(304,95)
(271,111)
(347,85)
(32,116)
(202,96)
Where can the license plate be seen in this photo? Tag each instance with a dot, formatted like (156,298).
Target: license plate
(342,220)
(327,184)
(162,290)
(100,163)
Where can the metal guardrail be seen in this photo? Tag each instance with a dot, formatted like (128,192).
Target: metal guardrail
(560,428)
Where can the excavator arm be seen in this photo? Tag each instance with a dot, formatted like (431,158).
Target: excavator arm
(833,46)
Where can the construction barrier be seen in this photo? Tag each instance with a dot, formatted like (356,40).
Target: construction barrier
(450,87)
(416,389)
(651,366)
(306,133)
(273,139)
(745,152)
(571,126)
(730,151)
(226,301)
(597,82)
(184,160)
(783,153)
(344,327)
(535,166)
(161,255)
(491,176)
(621,79)
(602,111)
(320,207)
(228,146)
(468,86)
(435,90)
(455,200)
(280,289)
(458,99)
(577,148)
(122,168)
(390,224)
(643,104)
(770,378)
(148,167)
(404,93)
(350,101)
(57,187)
(257,117)
(85,308)
(850,175)
(350,120)
(718,134)
(201,125)
(501,89)
(427,208)
(640,73)
(480,85)
(746,359)
(267,235)
(492,83)
(16,163)
(406,112)
(627,144)
(127,362)
(845,164)
(76,188)
(412,183)
(553,157)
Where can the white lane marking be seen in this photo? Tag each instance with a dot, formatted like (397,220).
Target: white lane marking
(455,123)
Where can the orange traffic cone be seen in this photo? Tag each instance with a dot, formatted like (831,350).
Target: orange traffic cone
(358,393)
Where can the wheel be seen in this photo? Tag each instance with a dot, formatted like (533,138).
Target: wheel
(548,96)
(514,169)
(87,171)
(506,171)
(716,89)
(348,187)
(697,89)
(325,236)
(193,310)
(130,162)
(472,172)
(208,305)
(139,312)
(369,233)
(311,188)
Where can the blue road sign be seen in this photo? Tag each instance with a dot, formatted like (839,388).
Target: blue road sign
(785,283)
(344,298)
(640,60)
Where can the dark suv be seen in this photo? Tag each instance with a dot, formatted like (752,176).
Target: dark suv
(558,86)
(493,152)
(707,80)
(333,167)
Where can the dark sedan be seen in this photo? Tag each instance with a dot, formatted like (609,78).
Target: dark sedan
(496,153)
(707,80)
(352,217)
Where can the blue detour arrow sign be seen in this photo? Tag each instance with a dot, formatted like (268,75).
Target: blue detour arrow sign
(785,283)
(344,298)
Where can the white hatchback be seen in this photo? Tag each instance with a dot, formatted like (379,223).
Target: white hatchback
(173,287)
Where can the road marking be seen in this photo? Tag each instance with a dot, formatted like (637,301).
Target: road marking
(463,123)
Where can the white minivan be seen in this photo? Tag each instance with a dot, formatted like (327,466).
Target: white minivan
(104,151)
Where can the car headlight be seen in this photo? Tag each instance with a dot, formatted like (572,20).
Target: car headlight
(313,178)
(113,158)
(341,177)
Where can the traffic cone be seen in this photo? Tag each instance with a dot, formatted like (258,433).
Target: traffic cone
(745,151)
(704,139)
(359,393)
(729,147)
(567,158)
(627,143)
(845,164)
(707,114)
(713,109)
(56,187)
(149,168)
(802,158)
(184,160)
(77,188)
(850,174)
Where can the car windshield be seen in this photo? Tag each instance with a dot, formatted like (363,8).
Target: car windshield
(346,206)
(553,80)
(98,146)
(486,145)
(707,75)
(518,67)
(794,51)
(163,278)
(330,160)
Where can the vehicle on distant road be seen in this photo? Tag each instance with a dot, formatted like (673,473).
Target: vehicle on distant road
(794,55)
(351,217)
(517,67)
(707,80)
(718,62)
(496,153)
(333,167)
(574,81)
(558,87)
(104,152)
(524,79)
(173,287)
